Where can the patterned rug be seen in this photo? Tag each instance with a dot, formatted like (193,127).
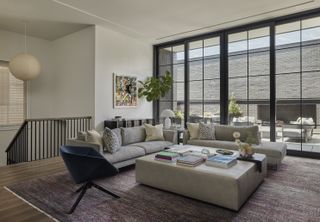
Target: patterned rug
(290,194)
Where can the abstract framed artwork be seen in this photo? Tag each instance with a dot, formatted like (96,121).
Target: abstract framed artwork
(125,92)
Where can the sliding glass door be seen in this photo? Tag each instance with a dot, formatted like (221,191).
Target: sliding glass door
(204,80)
(249,79)
(298,83)
(267,75)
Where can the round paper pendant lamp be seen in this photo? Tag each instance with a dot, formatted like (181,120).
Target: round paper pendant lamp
(24,66)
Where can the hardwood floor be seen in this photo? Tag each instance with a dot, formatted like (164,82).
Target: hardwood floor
(11,207)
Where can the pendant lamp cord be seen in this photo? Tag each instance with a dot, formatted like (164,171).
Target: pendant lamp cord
(25,37)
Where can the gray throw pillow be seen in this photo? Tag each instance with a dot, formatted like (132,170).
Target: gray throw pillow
(206,131)
(111,141)
(82,135)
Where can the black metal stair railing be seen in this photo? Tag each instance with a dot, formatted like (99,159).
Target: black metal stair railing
(39,139)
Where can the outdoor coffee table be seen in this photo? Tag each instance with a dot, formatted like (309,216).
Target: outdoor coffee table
(228,188)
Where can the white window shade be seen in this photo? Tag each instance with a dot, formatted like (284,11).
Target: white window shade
(12,97)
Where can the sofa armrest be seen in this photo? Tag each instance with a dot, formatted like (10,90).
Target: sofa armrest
(186,136)
(171,136)
(80,143)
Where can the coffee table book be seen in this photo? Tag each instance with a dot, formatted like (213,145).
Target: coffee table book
(221,161)
(190,161)
(166,156)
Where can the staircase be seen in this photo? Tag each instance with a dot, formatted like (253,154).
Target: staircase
(39,139)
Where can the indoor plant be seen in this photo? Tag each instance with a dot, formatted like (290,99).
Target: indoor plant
(153,88)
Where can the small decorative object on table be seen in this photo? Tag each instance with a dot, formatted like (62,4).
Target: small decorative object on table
(245,149)
(224,152)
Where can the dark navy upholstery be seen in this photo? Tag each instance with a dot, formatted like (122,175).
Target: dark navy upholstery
(85,164)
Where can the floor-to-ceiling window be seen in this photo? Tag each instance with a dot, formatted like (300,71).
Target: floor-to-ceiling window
(249,78)
(204,80)
(269,72)
(172,59)
(298,83)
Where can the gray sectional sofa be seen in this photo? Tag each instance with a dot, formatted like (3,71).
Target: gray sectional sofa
(274,151)
(133,145)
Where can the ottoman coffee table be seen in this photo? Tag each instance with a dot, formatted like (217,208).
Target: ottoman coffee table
(229,188)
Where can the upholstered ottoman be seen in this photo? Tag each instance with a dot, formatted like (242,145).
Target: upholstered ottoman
(228,188)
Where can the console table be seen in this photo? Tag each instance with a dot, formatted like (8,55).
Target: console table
(116,123)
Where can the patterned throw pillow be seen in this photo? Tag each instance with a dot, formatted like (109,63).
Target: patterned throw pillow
(154,133)
(206,131)
(110,140)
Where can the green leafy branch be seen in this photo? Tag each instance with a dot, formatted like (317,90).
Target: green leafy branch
(154,88)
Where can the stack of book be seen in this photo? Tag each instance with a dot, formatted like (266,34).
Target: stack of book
(166,156)
(190,160)
(180,151)
(221,161)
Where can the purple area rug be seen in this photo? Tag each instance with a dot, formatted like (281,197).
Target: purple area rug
(290,194)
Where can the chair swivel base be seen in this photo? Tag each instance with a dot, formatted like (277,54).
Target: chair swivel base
(83,190)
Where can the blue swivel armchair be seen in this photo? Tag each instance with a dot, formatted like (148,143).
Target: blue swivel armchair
(85,165)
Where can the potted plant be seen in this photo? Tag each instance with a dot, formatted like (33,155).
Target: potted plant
(234,108)
(153,88)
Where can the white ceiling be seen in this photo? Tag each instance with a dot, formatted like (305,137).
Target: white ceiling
(154,21)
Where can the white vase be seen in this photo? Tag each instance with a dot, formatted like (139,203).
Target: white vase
(167,123)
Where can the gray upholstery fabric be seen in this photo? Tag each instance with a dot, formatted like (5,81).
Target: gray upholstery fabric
(133,135)
(271,149)
(274,151)
(76,142)
(117,131)
(110,141)
(125,153)
(224,132)
(153,146)
(171,136)
(206,131)
(82,135)
(215,144)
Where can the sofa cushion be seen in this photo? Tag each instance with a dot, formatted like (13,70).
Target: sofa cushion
(224,132)
(206,131)
(193,130)
(154,133)
(153,146)
(110,140)
(94,136)
(271,149)
(117,131)
(124,153)
(133,135)
(82,135)
(215,144)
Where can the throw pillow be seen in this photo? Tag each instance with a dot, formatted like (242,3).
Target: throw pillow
(206,131)
(154,133)
(193,130)
(82,135)
(110,140)
(94,137)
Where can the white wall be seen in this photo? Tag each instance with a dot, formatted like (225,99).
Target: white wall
(73,74)
(120,54)
(65,86)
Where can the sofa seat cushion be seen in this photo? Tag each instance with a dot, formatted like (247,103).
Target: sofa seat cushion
(133,135)
(124,153)
(153,146)
(271,149)
(215,144)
